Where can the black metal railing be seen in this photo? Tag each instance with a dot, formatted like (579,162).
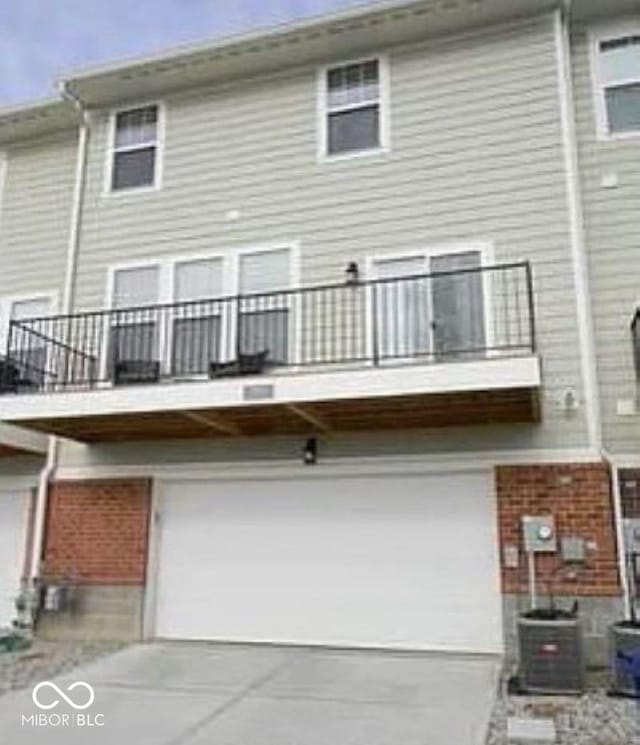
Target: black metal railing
(440,317)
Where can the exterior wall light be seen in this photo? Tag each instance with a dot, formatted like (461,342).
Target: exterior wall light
(310,453)
(352,273)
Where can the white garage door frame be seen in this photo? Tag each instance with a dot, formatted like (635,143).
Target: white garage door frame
(15,506)
(345,468)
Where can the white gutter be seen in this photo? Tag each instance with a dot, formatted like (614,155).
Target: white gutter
(67,304)
(576,219)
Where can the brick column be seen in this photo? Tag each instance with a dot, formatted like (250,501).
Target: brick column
(97,537)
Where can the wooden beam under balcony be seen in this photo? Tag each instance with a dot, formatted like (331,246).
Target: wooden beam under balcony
(406,412)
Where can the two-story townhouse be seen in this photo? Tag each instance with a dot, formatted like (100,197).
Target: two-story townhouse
(329,337)
(37,167)
(606,80)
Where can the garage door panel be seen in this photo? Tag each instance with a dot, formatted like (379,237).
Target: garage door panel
(13,523)
(404,562)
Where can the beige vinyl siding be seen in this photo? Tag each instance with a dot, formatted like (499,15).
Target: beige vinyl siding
(476,155)
(35,213)
(35,208)
(612,223)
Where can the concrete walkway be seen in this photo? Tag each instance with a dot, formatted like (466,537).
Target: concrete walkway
(213,694)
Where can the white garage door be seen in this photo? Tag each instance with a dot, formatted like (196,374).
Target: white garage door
(398,561)
(13,522)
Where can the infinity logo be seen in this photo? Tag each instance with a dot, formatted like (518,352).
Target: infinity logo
(48,684)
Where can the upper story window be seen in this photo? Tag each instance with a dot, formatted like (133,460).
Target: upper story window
(618,79)
(135,146)
(354,103)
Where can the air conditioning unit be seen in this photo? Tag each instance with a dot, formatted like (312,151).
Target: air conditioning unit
(625,658)
(551,653)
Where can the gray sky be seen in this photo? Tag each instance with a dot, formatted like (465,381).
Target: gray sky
(42,39)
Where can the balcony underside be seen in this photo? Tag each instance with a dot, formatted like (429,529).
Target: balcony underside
(18,441)
(458,394)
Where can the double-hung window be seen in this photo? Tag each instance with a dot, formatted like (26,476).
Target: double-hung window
(135,148)
(354,108)
(618,84)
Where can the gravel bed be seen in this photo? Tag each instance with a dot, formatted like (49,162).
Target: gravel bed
(44,660)
(591,719)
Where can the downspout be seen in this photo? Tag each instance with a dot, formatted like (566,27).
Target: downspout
(67,305)
(623,569)
(580,264)
(581,277)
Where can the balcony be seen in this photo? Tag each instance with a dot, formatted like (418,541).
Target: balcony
(431,350)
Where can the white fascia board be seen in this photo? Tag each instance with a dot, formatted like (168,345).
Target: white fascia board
(457,377)
(23,439)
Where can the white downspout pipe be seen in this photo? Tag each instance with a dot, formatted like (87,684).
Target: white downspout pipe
(581,275)
(623,568)
(67,304)
(579,257)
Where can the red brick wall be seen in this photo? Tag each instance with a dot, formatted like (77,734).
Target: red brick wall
(97,531)
(579,497)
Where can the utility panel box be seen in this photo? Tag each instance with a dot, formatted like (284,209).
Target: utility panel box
(573,549)
(539,534)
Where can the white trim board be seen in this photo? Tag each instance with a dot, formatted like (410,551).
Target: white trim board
(329,467)
(488,374)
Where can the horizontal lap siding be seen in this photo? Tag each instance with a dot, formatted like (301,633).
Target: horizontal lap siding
(476,154)
(612,220)
(34,219)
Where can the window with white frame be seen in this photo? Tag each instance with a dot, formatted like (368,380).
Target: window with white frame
(134,157)
(353,108)
(134,330)
(618,77)
(185,314)
(199,317)
(265,311)
(26,350)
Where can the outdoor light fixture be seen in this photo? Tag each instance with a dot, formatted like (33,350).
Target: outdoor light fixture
(352,273)
(310,453)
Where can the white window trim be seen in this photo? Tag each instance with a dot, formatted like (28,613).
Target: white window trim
(486,250)
(598,34)
(111,149)
(230,273)
(384,82)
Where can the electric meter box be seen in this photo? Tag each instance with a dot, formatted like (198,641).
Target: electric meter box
(539,534)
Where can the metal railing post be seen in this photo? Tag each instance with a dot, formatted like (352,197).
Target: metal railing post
(375,351)
(531,306)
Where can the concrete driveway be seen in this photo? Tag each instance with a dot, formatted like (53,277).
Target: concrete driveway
(215,694)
